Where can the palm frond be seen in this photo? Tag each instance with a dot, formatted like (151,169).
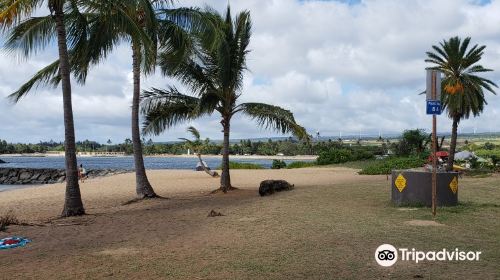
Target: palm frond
(273,117)
(43,77)
(31,35)
(194,132)
(14,11)
(164,108)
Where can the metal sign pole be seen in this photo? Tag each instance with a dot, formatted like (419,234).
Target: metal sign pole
(434,149)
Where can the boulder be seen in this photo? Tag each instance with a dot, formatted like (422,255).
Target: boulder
(269,187)
(24,175)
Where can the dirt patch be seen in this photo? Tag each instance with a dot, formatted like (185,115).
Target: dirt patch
(119,252)
(423,223)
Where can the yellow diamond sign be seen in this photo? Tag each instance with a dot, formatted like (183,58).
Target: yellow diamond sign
(400,182)
(454,185)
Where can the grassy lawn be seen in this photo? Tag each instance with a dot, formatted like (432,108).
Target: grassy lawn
(359,164)
(313,232)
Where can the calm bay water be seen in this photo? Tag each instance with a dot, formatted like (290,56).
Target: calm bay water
(123,162)
(126,163)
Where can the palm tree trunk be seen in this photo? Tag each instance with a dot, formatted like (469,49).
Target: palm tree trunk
(225,178)
(143,187)
(453,143)
(73,205)
(209,172)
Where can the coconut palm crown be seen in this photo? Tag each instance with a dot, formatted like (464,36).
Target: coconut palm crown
(213,72)
(462,87)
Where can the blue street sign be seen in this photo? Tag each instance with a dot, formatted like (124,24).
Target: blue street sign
(433,107)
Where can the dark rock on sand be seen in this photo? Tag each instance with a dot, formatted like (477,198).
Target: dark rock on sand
(269,187)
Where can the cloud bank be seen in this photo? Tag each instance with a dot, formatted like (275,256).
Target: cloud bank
(341,67)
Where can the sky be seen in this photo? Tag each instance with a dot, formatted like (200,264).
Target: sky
(342,67)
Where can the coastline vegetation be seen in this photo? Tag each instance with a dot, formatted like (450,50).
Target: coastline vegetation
(242,165)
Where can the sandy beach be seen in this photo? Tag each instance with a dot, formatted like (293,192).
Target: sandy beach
(107,194)
(328,226)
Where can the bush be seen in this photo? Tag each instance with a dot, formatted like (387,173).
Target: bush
(334,156)
(362,155)
(242,165)
(278,164)
(301,164)
(387,165)
(493,155)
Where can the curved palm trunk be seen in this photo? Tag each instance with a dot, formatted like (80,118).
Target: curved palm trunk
(453,143)
(225,178)
(209,172)
(73,205)
(143,187)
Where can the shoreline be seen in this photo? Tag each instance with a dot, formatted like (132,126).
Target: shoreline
(300,157)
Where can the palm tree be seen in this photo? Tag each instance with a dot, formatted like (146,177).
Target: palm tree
(29,34)
(197,146)
(214,73)
(106,23)
(139,24)
(463,88)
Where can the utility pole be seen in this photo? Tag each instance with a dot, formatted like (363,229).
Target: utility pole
(434,109)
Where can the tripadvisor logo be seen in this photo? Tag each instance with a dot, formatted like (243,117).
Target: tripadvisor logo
(387,255)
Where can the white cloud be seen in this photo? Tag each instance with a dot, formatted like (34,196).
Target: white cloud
(339,67)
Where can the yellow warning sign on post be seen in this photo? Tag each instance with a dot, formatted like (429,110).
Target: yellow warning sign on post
(454,185)
(400,182)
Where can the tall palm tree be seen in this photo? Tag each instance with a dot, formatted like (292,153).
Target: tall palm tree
(106,24)
(112,29)
(214,73)
(463,89)
(29,34)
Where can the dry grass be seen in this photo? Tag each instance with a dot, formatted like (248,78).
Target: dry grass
(8,219)
(320,230)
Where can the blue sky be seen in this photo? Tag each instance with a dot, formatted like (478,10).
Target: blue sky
(340,66)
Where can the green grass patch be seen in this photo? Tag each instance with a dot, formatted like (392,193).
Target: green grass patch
(242,165)
(385,166)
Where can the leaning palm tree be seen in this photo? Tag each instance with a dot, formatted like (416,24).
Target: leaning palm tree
(214,73)
(196,146)
(30,34)
(463,89)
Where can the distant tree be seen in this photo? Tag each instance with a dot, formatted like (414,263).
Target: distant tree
(416,139)
(196,146)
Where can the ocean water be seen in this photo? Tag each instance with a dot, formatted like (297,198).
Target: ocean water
(124,162)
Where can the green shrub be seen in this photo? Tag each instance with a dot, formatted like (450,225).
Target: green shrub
(278,164)
(493,155)
(301,164)
(361,155)
(333,156)
(242,165)
(387,165)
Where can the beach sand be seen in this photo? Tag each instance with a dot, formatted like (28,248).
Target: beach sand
(102,195)
(327,227)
